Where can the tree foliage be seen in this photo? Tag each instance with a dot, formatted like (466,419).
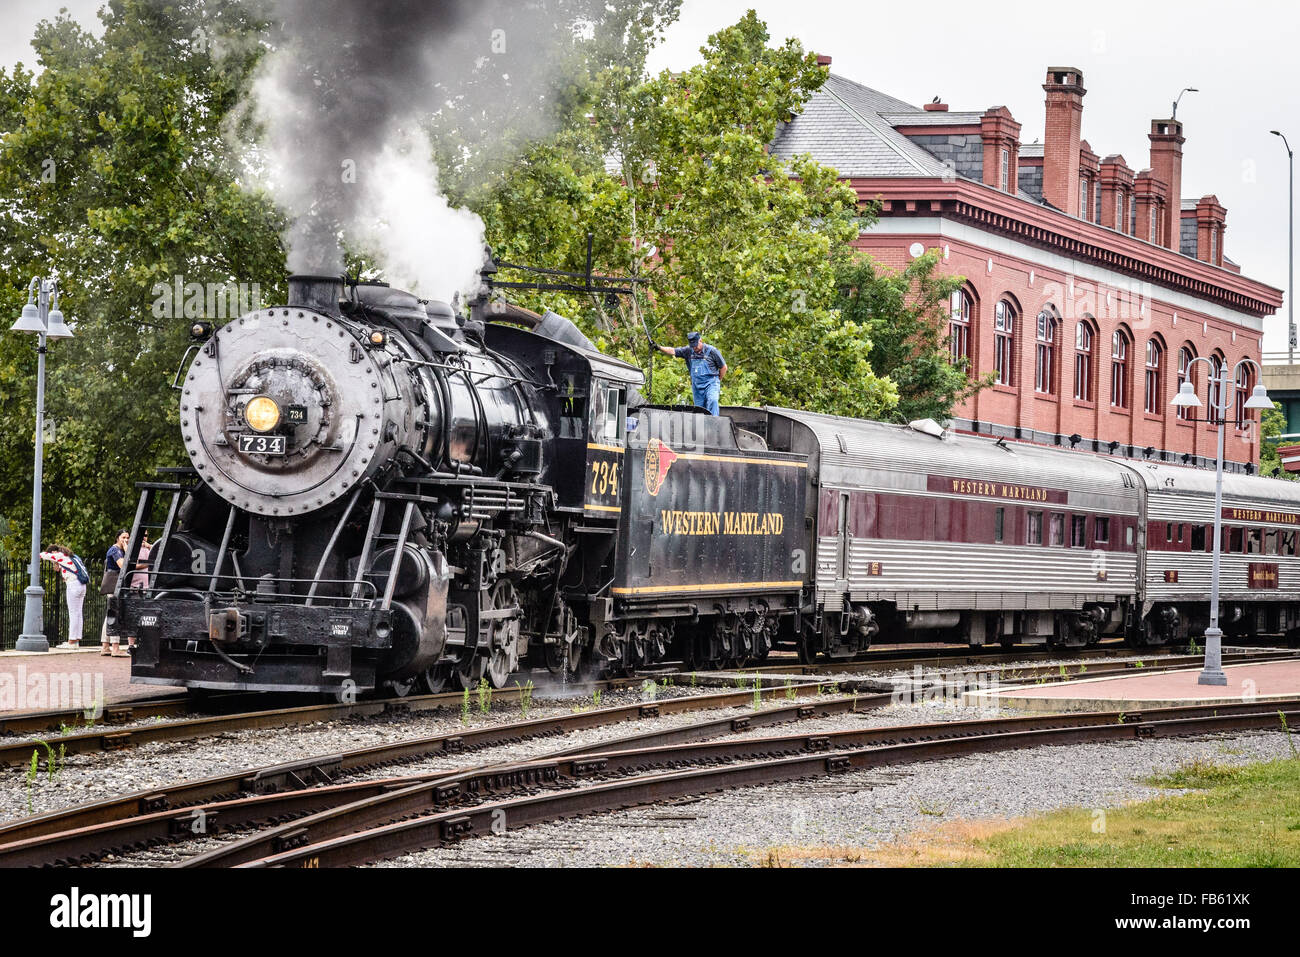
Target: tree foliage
(1272,423)
(905,314)
(114,175)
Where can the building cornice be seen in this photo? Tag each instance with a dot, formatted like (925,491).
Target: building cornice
(1051,229)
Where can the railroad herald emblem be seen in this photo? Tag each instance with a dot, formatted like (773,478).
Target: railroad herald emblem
(659,458)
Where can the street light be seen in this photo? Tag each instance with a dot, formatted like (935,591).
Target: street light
(1212,672)
(46,323)
(1290,258)
(1187,89)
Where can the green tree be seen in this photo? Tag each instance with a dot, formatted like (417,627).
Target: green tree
(115,175)
(674,179)
(1272,423)
(905,314)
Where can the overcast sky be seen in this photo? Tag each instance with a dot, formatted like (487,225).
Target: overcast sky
(1135,57)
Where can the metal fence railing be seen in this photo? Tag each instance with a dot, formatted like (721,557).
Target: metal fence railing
(13,584)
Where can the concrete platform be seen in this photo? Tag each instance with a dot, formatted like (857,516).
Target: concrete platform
(31,681)
(1262,681)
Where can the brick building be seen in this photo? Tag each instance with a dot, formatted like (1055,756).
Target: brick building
(1089,283)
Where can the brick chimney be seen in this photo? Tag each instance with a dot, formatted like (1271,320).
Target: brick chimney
(1089,179)
(1001,136)
(1116,189)
(1167,166)
(1152,195)
(1210,218)
(1065,94)
(823,60)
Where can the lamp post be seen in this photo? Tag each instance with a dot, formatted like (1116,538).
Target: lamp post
(1290,253)
(1212,672)
(47,323)
(1187,89)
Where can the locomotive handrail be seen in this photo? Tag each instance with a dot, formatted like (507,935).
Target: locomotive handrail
(467,372)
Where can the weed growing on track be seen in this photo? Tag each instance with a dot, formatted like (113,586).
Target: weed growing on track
(484,696)
(1289,740)
(595,698)
(464,707)
(758,692)
(525,697)
(789,690)
(31,778)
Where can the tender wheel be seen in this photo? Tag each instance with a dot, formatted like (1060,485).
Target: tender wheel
(807,645)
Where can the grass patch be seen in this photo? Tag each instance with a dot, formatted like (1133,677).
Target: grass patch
(1246,816)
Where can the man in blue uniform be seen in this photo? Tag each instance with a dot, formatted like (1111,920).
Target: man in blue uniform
(707,369)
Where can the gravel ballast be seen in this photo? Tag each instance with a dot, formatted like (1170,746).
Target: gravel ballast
(860,809)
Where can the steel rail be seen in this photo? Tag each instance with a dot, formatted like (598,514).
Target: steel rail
(110,739)
(85,844)
(439,827)
(325,769)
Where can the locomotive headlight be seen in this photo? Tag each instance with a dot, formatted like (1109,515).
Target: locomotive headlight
(262,414)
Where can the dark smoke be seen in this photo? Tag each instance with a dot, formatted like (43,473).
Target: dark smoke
(346,99)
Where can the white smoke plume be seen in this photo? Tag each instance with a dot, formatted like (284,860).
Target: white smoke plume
(343,101)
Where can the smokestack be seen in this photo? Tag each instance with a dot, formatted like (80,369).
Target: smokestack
(321,293)
(1167,165)
(1065,92)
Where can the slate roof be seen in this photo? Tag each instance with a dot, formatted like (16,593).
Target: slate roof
(932,118)
(850,127)
(841,126)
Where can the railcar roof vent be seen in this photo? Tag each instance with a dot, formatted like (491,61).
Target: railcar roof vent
(928,427)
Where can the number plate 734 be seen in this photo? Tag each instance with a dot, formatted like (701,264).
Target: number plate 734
(262,444)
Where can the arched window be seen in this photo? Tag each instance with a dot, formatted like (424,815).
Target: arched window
(1045,354)
(1119,370)
(1083,362)
(1184,373)
(959,326)
(1004,338)
(1245,382)
(1154,352)
(1216,387)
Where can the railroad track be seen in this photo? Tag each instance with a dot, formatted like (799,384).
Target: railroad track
(111,736)
(493,800)
(326,770)
(361,821)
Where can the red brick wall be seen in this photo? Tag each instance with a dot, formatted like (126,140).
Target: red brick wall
(1059,413)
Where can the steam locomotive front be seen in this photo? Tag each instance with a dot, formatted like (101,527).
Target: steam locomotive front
(285,410)
(341,445)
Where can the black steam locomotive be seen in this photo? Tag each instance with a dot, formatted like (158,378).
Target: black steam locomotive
(383,492)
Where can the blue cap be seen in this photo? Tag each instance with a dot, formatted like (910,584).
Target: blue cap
(693,338)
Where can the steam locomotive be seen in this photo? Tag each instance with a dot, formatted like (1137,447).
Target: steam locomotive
(384,492)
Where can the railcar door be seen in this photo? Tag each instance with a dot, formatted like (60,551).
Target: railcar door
(842,553)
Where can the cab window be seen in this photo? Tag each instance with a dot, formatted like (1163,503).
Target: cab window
(573,410)
(607,414)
